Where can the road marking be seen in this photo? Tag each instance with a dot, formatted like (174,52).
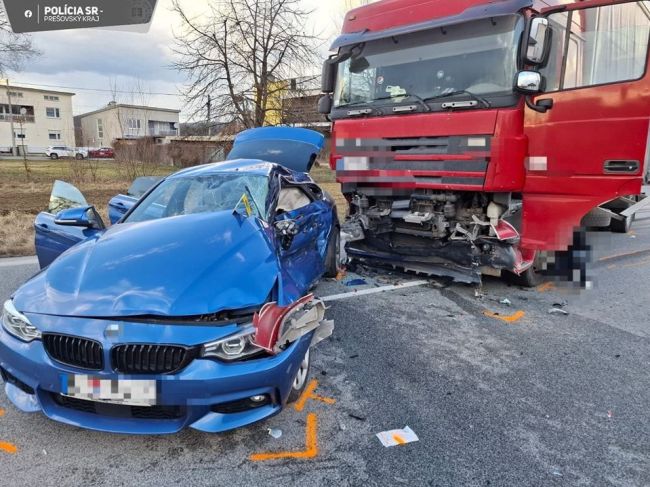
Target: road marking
(311,445)
(308,393)
(517,315)
(8,447)
(547,286)
(14,261)
(365,292)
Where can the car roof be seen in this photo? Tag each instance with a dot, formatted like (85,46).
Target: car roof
(251,166)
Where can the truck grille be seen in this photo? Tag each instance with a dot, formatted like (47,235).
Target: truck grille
(74,351)
(119,410)
(151,359)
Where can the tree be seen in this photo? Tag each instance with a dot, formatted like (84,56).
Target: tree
(14,48)
(241,56)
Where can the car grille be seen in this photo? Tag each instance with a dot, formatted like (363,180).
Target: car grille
(150,359)
(119,410)
(75,351)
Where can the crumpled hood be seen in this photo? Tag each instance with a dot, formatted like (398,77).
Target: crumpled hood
(179,266)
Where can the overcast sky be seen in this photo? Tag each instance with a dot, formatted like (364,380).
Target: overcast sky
(91,58)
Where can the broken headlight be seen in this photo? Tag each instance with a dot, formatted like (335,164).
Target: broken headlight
(234,347)
(17,324)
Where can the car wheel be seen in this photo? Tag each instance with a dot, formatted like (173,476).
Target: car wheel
(333,252)
(528,278)
(301,378)
(54,156)
(79,157)
(621,226)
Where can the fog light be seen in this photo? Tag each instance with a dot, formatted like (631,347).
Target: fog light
(259,398)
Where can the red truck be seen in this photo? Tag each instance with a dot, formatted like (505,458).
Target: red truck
(473,137)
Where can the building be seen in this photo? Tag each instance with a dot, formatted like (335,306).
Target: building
(117,121)
(40,118)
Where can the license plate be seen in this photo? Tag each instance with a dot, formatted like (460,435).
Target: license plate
(117,391)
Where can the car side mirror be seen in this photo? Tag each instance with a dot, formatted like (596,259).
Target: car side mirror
(538,43)
(529,82)
(286,230)
(325,104)
(83,216)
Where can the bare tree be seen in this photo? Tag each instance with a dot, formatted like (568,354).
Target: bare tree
(14,48)
(241,57)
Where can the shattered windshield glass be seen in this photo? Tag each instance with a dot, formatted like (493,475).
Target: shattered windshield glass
(478,57)
(203,194)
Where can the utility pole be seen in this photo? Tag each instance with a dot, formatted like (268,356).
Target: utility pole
(209,106)
(11,122)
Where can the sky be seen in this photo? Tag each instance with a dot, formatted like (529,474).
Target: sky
(98,59)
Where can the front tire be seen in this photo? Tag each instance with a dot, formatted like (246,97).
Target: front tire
(301,379)
(54,157)
(333,252)
(528,278)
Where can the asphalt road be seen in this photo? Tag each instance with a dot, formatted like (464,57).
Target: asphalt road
(543,400)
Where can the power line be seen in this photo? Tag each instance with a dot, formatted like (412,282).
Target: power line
(98,89)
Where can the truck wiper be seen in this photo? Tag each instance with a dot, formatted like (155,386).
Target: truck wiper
(406,95)
(474,96)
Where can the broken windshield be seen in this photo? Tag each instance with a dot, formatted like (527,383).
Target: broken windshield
(478,57)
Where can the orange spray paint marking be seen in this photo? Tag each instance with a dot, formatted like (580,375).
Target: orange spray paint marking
(308,393)
(517,315)
(547,286)
(2,412)
(311,445)
(8,447)
(398,439)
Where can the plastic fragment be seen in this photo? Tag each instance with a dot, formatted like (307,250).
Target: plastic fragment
(275,433)
(356,282)
(397,437)
(357,417)
(558,311)
(505,301)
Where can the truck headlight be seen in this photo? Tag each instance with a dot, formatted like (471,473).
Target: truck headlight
(17,324)
(234,347)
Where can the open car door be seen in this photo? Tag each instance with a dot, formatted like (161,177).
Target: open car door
(52,238)
(291,147)
(120,204)
(590,144)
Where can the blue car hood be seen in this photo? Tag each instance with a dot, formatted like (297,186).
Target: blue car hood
(178,266)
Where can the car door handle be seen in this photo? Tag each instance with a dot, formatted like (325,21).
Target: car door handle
(43,225)
(621,167)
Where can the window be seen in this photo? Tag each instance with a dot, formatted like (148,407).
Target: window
(15,94)
(54,135)
(134,123)
(52,112)
(51,98)
(20,134)
(607,44)
(100,129)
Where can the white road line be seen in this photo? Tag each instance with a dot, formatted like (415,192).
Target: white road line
(14,261)
(374,290)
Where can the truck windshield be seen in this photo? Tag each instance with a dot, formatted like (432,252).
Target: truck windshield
(479,57)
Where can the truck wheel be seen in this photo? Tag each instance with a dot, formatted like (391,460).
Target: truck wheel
(621,226)
(54,156)
(528,278)
(333,252)
(301,379)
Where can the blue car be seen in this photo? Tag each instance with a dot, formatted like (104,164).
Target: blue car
(194,309)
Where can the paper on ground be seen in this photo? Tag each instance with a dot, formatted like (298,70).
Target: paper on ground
(397,437)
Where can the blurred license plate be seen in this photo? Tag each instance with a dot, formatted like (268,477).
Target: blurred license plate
(119,391)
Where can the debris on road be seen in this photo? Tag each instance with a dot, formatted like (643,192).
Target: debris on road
(610,414)
(357,417)
(397,437)
(558,311)
(356,282)
(275,433)
(505,301)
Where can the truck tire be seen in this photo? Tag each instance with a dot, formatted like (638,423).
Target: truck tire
(301,379)
(528,278)
(333,252)
(621,226)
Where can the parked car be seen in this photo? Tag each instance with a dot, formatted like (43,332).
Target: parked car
(60,151)
(102,153)
(193,310)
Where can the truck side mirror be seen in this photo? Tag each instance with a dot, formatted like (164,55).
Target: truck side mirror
(328,78)
(538,43)
(325,104)
(529,82)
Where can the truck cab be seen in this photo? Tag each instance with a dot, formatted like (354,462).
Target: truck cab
(470,136)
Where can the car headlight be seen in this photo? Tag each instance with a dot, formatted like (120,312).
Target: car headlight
(234,347)
(17,323)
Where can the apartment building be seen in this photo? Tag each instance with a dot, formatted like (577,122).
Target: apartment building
(121,121)
(40,118)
